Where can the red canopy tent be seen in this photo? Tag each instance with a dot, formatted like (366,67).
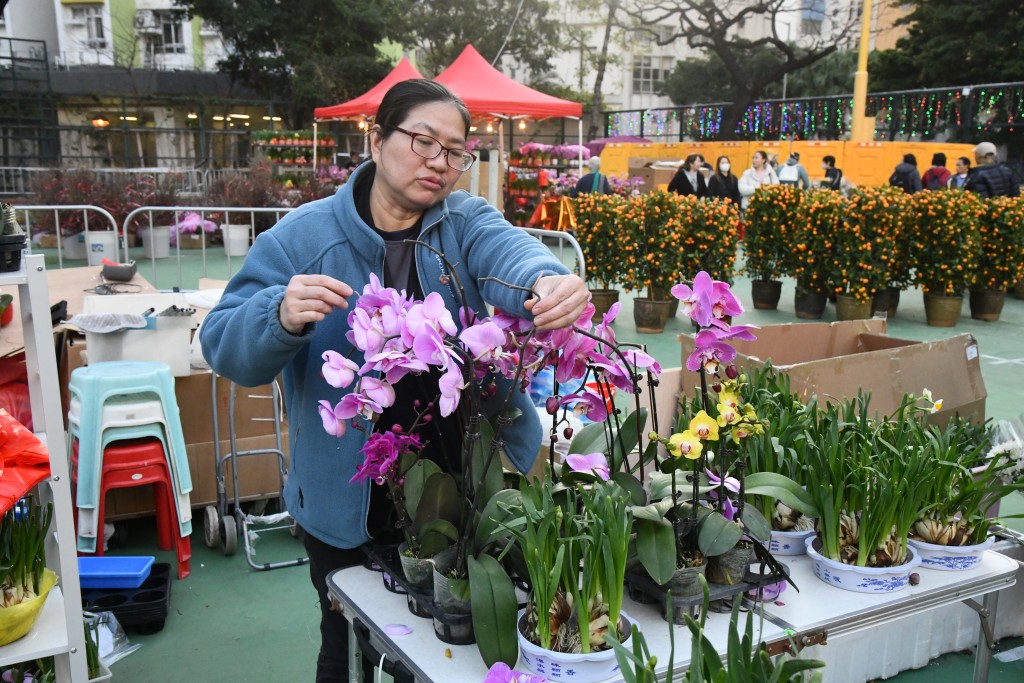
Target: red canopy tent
(368,103)
(485,90)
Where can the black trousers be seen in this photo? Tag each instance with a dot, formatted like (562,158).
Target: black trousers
(332,662)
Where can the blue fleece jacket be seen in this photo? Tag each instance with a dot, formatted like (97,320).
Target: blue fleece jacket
(243,340)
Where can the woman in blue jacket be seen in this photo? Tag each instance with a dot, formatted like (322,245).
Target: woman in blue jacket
(286,306)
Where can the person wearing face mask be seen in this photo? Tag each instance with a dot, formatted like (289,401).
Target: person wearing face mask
(290,301)
(833,176)
(723,183)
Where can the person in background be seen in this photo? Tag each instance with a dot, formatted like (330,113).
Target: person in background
(794,173)
(289,302)
(688,179)
(705,168)
(959,179)
(595,181)
(906,176)
(723,183)
(936,177)
(833,176)
(989,178)
(760,173)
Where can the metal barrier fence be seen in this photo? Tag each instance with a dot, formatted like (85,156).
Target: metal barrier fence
(103,238)
(17,181)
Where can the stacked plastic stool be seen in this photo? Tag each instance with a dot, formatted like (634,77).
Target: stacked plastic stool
(138,462)
(116,401)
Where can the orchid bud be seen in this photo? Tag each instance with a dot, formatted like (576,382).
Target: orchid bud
(567,432)
(524,386)
(717,388)
(396,428)
(416,404)
(732,372)
(551,405)
(427,419)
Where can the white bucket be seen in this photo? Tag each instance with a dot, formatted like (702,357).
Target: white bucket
(236,239)
(74,246)
(100,245)
(156,241)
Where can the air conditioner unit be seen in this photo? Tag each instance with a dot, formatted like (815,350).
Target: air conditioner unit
(146,21)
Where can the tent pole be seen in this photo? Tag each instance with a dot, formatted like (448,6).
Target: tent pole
(498,197)
(314,148)
(579,125)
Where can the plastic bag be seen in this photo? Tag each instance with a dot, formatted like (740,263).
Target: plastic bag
(24,461)
(113,641)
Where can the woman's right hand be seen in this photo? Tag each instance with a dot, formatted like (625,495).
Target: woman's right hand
(309,298)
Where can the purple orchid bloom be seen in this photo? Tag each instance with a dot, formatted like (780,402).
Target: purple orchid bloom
(451,386)
(484,341)
(374,294)
(338,370)
(742,332)
(378,391)
(732,484)
(431,312)
(594,463)
(575,356)
(394,364)
(366,332)
(501,673)
(356,404)
(429,347)
(332,424)
(698,302)
(723,304)
(588,404)
(709,352)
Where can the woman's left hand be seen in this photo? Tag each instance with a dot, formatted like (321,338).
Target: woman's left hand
(559,302)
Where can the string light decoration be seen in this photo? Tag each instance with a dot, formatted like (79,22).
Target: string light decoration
(923,113)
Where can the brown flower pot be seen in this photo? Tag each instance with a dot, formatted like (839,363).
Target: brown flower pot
(1018,291)
(650,315)
(942,311)
(603,300)
(851,308)
(886,300)
(986,304)
(809,304)
(766,294)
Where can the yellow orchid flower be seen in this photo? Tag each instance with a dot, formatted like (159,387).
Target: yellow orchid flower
(730,395)
(685,444)
(728,415)
(704,426)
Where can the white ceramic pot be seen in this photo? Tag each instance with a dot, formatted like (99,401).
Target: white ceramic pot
(236,239)
(951,558)
(862,579)
(156,241)
(570,668)
(789,542)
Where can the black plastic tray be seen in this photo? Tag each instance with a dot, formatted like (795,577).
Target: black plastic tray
(144,609)
(642,588)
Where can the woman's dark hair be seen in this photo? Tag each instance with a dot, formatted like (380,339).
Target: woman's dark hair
(910,159)
(764,155)
(829,159)
(405,96)
(938,159)
(718,164)
(965,161)
(688,164)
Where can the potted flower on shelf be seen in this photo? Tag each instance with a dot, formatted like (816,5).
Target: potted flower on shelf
(24,579)
(773,214)
(944,238)
(1000,262)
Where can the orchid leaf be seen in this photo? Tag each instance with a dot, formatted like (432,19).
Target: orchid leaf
(591,439)
(632,486)
(756,524)
(501,507)
(494,609)
(440,499)
(415,478)
(781,487)
(717,534)
(491,479)
(655,547)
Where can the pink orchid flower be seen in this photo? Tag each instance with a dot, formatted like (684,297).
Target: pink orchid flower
(697,301)
(356,404)
(394,364)
(501,673)
(378,391)
(332,424)
(338,370)
(430,348)
(594,463)
(588,404)
(709,352)
(365,332)
(451,386)
(732,484)
(431,312)
(484,341)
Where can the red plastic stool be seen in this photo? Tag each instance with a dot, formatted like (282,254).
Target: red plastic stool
(137,462)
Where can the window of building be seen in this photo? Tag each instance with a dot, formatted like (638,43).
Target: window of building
(171,38)
(649,73)
(91,17)
(812,17)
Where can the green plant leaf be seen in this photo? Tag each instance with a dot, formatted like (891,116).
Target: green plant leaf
(782,487)
(590,439)
(492,479)
(717,534)
(494,611)
(756,524)
(440,500)
(632,486)
(656,547)
(501,507)
(415,479)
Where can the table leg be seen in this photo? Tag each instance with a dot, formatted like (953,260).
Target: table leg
(355,656)
(983,655)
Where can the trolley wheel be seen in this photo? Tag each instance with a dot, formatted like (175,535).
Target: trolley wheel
(228,535)
(211,527)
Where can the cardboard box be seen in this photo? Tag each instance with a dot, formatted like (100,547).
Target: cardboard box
(655,172)
(834,360)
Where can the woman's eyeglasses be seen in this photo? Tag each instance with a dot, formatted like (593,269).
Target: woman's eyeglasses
(430,148)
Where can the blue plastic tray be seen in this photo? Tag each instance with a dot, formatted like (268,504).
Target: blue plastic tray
(114,572)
